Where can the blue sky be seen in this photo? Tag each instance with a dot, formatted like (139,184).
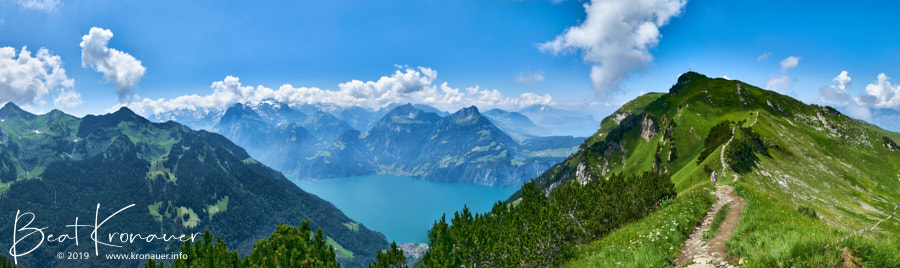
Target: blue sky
(187,46)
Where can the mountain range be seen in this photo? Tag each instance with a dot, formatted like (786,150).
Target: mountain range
(411,140)
(463,147)
(60,167)
(515,124)
(560,122)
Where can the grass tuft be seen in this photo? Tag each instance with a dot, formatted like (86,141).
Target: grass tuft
(717,222)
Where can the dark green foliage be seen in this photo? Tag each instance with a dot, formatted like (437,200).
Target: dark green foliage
(807,211)
(831,110)
(718,135)
(741,154)
(389,258)
(288,246)
(541,231)
(291,246)
(211,252)
(7,263)
(889,143)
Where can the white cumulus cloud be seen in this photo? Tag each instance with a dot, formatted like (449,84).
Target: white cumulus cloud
(615,38)
(26,79)
(843,80)
(408,85)
(883,93)
(837,95)
(118,67)
(879,103)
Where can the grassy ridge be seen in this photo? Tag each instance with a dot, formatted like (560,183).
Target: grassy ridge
(654,241)
(790,154)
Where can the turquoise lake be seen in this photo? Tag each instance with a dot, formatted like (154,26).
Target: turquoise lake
(403,208)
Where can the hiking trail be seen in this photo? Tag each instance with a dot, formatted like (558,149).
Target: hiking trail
(698,253)
(722,152)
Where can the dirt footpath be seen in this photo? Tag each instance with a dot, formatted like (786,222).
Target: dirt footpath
(698,253)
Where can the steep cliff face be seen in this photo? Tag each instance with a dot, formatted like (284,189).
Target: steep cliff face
(648,128)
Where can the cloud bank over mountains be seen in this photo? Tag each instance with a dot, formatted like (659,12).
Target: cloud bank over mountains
(413,85)
(879,96)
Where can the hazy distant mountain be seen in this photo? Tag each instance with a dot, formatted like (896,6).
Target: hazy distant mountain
(461,147)
(887,118)
(272,140)
(326,127)
(515,124)
(423,107)
(360,118)
(181,181)
(561,122)
(278,135)
(197,119)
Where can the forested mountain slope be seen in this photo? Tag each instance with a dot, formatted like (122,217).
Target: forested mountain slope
(181,181)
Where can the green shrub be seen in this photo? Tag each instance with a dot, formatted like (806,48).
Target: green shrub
(288,246)
(807,211)
(718,135)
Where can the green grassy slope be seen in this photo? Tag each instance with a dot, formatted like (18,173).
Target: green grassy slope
(652,242)
(792,154)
